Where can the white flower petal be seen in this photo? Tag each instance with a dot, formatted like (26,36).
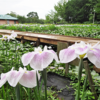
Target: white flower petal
(14,77)
(3,79)
(45,48)
(29,79)
(38,49)
(54,55)
(13,34)
(27,57)
(41,61)
(67,55)
(94,56)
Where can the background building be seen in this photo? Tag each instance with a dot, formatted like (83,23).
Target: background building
(7,19)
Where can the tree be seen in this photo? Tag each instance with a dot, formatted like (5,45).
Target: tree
(13,14)
(21,19)
(32,17)
(60,8)
(76,10)
(41,21)
(91,5)
(48,19)
(97,10)
(52,17)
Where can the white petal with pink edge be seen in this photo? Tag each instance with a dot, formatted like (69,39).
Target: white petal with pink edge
(94,56)
(29,79)
(27,57)
(3,79)
(14,76)
(81,50)
(41,61)
(67,55)
(54,55)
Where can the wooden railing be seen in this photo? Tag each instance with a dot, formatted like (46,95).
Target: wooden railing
(49,38)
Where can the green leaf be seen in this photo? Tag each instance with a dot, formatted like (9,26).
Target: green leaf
(25,90)
(84,95)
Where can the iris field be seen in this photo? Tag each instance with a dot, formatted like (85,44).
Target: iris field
(21,61)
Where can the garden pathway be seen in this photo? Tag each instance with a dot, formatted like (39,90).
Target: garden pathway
(49,38)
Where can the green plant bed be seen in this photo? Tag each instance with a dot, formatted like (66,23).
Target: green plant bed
(11,53)
(60,86)
(73,77)
(78,30)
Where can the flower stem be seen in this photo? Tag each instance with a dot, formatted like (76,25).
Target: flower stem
(37,81)
(17,92)
(16,51)
(36,93)
(84,87)
(4,96)
(3,47)
(44,75)
(79,77)
(29,94)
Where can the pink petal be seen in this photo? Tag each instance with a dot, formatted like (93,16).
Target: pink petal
(45,48)
(26,58)
(13,34)
(94,57)
(81,50)
(41,61)
(14,77)
(97,45)
(67,55)
(29,79)
(54,55)
(37,49)
(3,79)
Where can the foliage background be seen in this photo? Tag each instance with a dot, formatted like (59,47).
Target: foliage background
(73,11)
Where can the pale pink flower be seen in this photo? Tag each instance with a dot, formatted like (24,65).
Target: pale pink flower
(39,59)
(12,36)
(81,50)
(52,67)
(61,68)
(24,77)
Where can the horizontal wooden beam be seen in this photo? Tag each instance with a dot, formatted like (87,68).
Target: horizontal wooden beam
(49,38)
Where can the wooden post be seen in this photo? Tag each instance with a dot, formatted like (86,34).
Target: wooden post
(37,42)
(60,46)
(75,62)
(22,40)
(86,66)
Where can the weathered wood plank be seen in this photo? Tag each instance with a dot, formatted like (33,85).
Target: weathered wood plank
(75,62)
(50,39)
(38,42)
(60,46)
(86,66)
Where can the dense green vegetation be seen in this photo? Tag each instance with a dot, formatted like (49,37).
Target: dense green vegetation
(75,11)
(78,30)
(32,17)
(11,53)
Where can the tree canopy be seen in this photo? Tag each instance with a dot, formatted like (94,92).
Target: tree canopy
(77,10)
(32,17)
